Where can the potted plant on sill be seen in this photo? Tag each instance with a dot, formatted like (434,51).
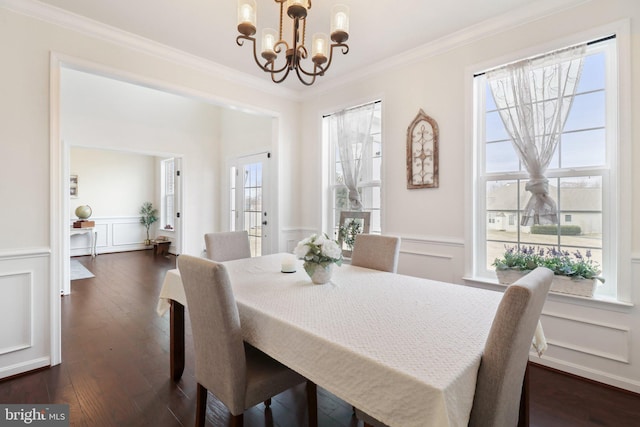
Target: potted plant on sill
(574,274)
(149,215)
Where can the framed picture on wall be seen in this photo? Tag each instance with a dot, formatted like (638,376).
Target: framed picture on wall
(73,186)
(422,152)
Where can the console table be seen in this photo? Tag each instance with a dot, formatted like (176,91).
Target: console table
(93,236)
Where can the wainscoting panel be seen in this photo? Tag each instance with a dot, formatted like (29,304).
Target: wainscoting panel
(432,266)
(127,233)
(16,309)
(589,337)
(24,311)
(432,258)
(117,234)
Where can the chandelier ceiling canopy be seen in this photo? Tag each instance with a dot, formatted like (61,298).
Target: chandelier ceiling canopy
(273,41)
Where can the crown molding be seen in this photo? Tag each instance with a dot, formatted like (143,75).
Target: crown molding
(501,23)
(496,25)
(98,30)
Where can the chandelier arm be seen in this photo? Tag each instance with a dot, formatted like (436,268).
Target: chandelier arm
(345,50)
(278,71)
(264,67)
(319,70)
(301,78)
(284,76)
(313,74)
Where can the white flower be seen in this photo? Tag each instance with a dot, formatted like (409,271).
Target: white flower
(331,249)
(318,249)
(301,249)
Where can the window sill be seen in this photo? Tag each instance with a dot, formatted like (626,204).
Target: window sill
(165,230)
(600,302)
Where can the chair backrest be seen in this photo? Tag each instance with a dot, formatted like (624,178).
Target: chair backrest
(376,252)
(220,364)
(506,352)
(227,245)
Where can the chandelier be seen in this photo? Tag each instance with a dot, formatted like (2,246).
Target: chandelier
(273,42)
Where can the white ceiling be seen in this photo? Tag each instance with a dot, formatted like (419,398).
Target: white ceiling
(378,29)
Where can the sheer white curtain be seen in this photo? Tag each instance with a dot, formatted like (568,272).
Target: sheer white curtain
(534,97)
(351,131)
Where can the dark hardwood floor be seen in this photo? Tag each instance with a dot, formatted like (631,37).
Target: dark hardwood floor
(115,369)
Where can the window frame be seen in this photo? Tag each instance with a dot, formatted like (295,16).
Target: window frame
(165,218)
(330,223)
(617,187)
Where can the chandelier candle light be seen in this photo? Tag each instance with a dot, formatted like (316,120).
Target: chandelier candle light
(273,42)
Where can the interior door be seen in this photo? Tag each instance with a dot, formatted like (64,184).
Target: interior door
(250,200)
(177,201)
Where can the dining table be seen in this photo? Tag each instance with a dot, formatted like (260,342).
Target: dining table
(403,349)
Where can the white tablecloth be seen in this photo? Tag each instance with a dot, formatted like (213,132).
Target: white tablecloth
(403,349)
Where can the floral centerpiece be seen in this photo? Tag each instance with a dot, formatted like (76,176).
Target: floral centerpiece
(319,253)
(574,273)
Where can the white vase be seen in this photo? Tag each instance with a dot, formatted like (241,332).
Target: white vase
(318,273)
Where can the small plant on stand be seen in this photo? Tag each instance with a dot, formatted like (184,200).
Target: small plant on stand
(149,215)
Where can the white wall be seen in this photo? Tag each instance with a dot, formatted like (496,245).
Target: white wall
(30,144)
(113,183)
(594,340)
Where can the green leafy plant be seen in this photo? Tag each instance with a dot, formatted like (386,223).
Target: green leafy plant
(348,232)
(562,263)
(149,215)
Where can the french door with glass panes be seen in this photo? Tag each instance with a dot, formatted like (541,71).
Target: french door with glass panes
(249,200)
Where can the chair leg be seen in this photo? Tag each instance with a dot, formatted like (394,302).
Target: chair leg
(312,403)
(201,405)
(267,402)
(237,420)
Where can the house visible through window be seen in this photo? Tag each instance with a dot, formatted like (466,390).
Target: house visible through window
(167,192)
(355,162)
(580,169)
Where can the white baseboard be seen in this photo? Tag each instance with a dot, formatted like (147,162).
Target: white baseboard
(26,366)
(589,373)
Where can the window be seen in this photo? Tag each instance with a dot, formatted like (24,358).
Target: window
(365,147)
(168,197)
(580,173)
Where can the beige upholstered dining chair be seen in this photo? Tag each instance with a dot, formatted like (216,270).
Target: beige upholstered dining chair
(506,353)
(227,245)
(238,374)
(376,252)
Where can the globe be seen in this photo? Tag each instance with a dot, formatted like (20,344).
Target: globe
(83,212)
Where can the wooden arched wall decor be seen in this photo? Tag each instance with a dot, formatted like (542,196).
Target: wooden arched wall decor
(422,152)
